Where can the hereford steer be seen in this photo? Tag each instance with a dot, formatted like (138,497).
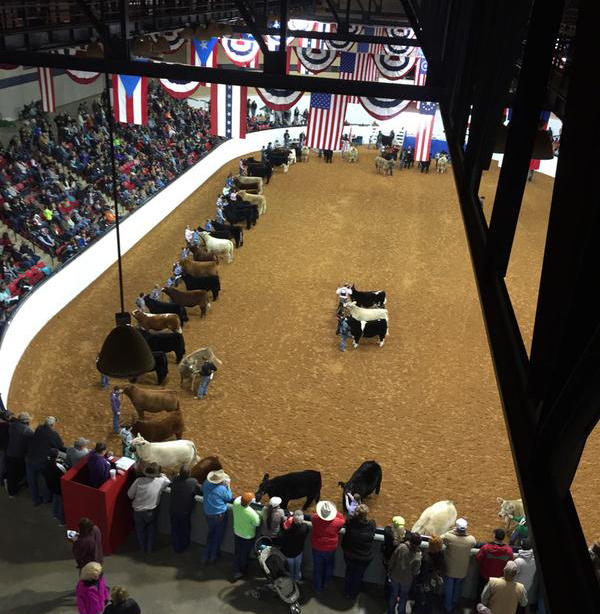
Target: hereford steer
(437,519)
(157,322)
(190,298)
(373,328)
(144,399)
(212,283)
(295,485)
(162,428)
(199,269)
(365,480)
(163,307)
(360,313)
(190,366)
(510,508)
(166,342)
(254,199)
(170,455)
(203,467)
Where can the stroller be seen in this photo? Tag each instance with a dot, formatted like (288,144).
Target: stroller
(277,573)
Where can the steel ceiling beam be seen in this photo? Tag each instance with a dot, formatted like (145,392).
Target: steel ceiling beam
(223,75)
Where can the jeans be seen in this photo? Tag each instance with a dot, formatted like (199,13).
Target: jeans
(38,494)
(355,570)
(214,539)
(145,528)
(343,340)
(116,421)
(103,380)
(296,567)
(323,562)
(241,556)
(397,590)
(58,509)
(203,388)
(181,528)
(452,590)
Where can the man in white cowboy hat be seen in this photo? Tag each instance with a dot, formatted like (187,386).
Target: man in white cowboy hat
(217,494)
(181,503)
(145,493)
(326,524)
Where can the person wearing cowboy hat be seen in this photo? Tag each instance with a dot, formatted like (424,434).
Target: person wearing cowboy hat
(145,493)
(326,524)
(181,503)
(217,495)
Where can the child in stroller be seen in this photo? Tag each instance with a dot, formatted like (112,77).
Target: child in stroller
(277,573)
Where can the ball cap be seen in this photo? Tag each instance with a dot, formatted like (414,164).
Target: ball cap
(461,525)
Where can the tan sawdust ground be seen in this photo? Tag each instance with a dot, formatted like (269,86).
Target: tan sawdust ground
(425,405)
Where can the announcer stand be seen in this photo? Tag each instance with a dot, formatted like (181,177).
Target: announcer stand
(108,506)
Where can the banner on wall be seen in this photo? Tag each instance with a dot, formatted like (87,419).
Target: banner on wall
(371,47)
(341,45)
(305,25)
(326,116)
(273,41)
(173,38)
(279,100)
(241,51)
(130,99)
(46,81)
(179,89)
(425,131)
(400,49)
(319,26)
(383,108)
(357,67)
(316,60)
(228,110)
(79,76)
(394,67)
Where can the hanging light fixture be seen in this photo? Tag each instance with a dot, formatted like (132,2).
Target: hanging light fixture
(124,353)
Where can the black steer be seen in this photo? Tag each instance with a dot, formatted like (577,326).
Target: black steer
(161,367)
(365,480)
(164,307)
(295,485)
(260,170)
(210,282)
(166,342)
(241,213)
(236,231)
(373,328)
(370,298)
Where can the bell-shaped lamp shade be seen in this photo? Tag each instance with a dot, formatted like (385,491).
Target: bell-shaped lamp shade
(125,353)
(542,146)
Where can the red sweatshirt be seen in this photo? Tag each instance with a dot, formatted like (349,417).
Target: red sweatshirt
(325,532)
(492,558)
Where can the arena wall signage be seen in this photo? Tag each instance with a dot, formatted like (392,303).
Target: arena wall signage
(279,100)
(316,60)
(383,108)
(394,66)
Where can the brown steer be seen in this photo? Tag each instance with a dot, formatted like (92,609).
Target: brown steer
(199,269)
(190,298)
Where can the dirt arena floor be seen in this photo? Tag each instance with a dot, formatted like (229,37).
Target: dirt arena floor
(425,406)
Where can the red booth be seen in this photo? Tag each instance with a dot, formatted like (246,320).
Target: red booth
(108,507)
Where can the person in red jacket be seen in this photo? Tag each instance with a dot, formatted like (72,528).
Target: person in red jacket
(492,558)
(326,524)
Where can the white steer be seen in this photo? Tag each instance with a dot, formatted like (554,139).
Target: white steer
(217,246)
(510,508)
(437,519)
(167,454)
(366,315)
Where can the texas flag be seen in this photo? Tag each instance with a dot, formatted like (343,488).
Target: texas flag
(228,110)
(130,99)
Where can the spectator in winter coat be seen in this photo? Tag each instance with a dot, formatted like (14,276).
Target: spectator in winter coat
(526,565)
(503,595)
(272,518)
(121,602)
(181,503)
(53,470)
(77,451)
(44,439)
(457,556)
(91,591)
(404,567)
(393,536)
(87,546)
(430,576)
(359,549)
(216,495)
(326,524)
(291,542)
(492,558)
(19,436)
(245,523)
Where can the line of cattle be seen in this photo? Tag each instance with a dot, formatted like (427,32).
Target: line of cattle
(386,162)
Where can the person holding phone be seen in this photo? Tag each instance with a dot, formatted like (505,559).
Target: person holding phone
(87,543)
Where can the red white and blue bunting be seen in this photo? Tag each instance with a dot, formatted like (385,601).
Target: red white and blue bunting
(394,66)
(341,45)
(273,41)
(179,89)
(399,49)
(279,100)
(79,76)
(241,51)
(316,60)
(383,108)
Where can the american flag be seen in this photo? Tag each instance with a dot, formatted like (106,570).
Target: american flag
(317,43)
(421,71)
(46,82)
(357,67)
(326,120)
(372,47)
(425,131)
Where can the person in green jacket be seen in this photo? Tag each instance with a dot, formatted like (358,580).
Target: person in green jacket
(245,523)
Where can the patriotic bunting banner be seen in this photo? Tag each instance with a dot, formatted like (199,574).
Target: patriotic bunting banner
(8,66)
(394,66)
(399,49)
(273,41)
(316,60)
(425,131)
(130,99)
(46,82)
(357,67)
(179,89)
(173,38)
(228,110)
(383,108)
(317,43)
(343,45)
(326,117)
(279,100)
(242,51)
(306,25)
(79,76)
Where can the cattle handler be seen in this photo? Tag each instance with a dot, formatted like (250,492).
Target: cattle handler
(207,373)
